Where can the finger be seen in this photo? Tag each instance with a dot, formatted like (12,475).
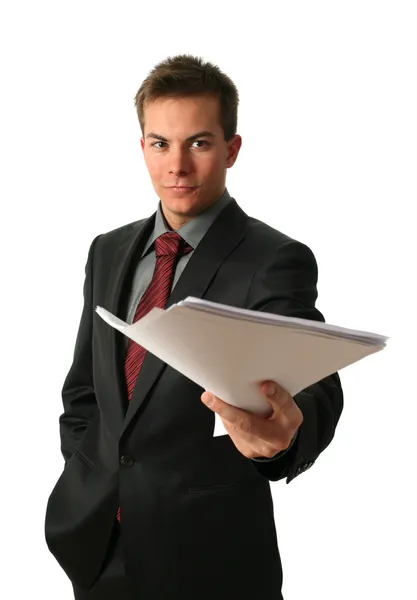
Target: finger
(264,444)
(251,446)
(237,417)
(279,399)
(254,429)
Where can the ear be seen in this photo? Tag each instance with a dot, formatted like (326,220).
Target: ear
(142,144)
(233,147)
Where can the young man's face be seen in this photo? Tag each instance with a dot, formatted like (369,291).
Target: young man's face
(186,154)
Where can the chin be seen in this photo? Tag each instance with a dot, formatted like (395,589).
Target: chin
(181,202)
(183,208)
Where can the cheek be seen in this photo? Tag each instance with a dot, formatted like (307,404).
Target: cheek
(154,168)
(211,167)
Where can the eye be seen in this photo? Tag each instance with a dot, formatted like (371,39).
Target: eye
(201,142)
(158,147)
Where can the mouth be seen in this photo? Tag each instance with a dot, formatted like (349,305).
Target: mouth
(182,188)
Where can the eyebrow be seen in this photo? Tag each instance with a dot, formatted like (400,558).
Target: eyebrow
(193,137)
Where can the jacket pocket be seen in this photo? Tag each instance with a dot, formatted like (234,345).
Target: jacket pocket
(219,487)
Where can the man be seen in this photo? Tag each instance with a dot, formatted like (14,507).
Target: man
(150,505)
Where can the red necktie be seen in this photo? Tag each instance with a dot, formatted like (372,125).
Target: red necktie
(168,247)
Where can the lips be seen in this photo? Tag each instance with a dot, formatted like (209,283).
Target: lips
(182,189)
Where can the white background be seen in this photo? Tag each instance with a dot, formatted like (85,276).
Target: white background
(328,120)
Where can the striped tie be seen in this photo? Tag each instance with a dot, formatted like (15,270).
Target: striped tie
(168,247)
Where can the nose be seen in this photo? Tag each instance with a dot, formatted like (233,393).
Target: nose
(179,162)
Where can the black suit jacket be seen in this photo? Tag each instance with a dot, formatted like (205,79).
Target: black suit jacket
(196,515)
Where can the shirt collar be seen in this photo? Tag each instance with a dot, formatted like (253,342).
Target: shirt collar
(193,231)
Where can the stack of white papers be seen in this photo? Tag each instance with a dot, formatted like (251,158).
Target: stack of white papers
(228,351)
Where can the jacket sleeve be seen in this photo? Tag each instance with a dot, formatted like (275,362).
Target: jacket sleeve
(78,396)
(287,285)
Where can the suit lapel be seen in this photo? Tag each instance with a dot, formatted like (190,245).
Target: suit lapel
(220,240)
(125,257)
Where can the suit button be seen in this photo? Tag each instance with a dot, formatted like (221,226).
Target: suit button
(127,460)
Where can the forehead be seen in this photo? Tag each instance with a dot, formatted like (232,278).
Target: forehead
(182,116)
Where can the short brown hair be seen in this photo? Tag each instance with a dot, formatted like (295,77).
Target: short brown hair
(185,75)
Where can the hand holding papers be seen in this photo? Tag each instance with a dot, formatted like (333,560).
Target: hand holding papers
(228,351)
